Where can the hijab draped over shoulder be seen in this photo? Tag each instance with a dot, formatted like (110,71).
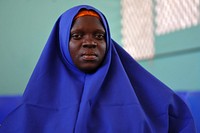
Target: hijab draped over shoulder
(120,97)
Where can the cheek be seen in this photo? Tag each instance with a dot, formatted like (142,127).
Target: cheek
(103,49)
(72,50)
(71,47)
(74,45)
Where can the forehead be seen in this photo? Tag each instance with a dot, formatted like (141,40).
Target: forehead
(87,22)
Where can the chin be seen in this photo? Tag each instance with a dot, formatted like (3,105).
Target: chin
(89,69)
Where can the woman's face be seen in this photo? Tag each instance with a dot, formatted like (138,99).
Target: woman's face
(87,44)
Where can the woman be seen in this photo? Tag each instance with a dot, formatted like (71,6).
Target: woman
(84,82)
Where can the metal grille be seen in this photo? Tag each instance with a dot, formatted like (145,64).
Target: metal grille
(137,28)
(172,15)
(138,22)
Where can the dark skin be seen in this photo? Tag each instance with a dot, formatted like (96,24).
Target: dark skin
(87,44)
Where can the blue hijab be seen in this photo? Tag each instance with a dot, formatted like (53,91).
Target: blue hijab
(120,97)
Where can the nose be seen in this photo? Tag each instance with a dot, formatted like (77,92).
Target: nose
(89,43)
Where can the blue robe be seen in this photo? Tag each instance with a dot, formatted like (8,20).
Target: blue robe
(120,97)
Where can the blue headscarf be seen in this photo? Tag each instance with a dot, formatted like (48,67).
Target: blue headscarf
(120,97)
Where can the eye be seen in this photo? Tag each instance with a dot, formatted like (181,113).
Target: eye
(99,36)
(76,36)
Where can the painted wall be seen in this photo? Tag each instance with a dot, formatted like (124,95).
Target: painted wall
(24,28)
(177,59)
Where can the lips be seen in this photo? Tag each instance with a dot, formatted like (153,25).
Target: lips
(89,56)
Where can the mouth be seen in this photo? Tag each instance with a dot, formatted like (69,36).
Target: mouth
(89,56)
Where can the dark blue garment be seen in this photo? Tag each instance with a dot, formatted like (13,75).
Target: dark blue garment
(120,97)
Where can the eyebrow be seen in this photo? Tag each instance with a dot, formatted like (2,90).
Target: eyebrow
(100,30)
(96,30)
